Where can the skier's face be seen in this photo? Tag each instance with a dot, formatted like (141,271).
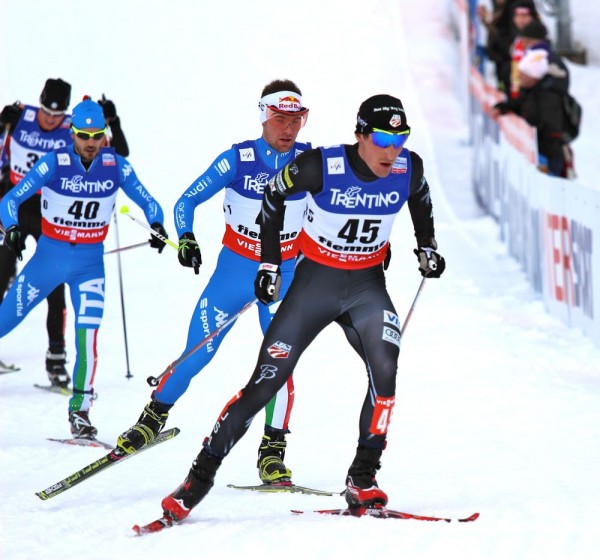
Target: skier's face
(379,160)
(49,121)
(89,147)
(280,131)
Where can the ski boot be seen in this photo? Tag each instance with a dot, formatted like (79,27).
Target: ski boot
(271,452)
(81,427)
(362,490)
(195,487)
(149,425)
(55,367)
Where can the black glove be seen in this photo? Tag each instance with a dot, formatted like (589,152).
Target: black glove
(431,264)
(388,257)
(108,108)
(157,242)
(189,252)
(15,241)
(503,107)
(10,116)
(267,283)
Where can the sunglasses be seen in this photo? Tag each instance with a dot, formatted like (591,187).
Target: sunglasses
(84,135)
(385,139)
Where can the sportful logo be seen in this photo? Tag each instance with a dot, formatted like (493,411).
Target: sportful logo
(351,198)
(222,166)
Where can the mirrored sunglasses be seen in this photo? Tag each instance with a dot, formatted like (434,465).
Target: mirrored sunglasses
(85,135)
(384,139)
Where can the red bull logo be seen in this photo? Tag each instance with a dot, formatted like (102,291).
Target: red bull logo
(289,103)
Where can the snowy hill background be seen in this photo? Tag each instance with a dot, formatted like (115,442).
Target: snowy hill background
(497,404)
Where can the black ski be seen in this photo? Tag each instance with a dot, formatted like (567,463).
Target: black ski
(385,513)
(285,487)
(110,459)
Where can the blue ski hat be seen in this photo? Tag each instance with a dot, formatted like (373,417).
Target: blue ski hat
(88,114)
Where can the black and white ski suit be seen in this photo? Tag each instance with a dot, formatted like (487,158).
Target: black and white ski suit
(339,278)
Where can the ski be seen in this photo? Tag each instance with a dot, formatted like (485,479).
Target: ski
(110,459)
(8,368)
(285,487)
(154,527)
(385,513)
(54,389)
(83,442)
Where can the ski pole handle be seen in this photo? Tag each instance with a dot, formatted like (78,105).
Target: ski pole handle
(154,381)
(125,210)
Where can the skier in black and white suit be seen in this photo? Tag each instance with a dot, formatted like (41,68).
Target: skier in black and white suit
(355,193)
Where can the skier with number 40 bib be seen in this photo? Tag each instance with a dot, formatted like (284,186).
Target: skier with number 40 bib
(354,194)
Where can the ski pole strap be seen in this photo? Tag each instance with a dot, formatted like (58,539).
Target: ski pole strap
(154,381)
(125,210)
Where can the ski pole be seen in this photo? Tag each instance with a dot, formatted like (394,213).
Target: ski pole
(125,210)
(412,307)
(154,381)
(4,137)
(119,249)
(128,375)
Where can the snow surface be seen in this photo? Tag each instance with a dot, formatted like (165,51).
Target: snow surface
(497,402)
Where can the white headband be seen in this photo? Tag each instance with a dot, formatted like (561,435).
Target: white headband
(280,101)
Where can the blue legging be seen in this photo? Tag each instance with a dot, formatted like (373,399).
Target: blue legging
(230,287)
(81,267)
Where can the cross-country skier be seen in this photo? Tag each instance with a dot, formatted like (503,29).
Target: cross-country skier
(354,194)
(79,184)
(243,172)
(32,132)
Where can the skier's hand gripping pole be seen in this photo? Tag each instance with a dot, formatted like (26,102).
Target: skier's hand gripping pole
(125,210)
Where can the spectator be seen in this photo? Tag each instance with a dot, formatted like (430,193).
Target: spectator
(541,104)
(511,16)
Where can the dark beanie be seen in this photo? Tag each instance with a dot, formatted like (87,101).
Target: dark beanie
(56,94)
(534,30)
(383,112)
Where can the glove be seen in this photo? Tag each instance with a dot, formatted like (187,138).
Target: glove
(10,116)
(108,108)
(189,252)
(388,257)
(157,242)
(431,264)
(503,107)
(15,241)
(267,283)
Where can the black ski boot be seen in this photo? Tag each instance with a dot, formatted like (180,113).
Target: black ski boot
(361,487)
(55,367)
(81,427)
(195,487)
